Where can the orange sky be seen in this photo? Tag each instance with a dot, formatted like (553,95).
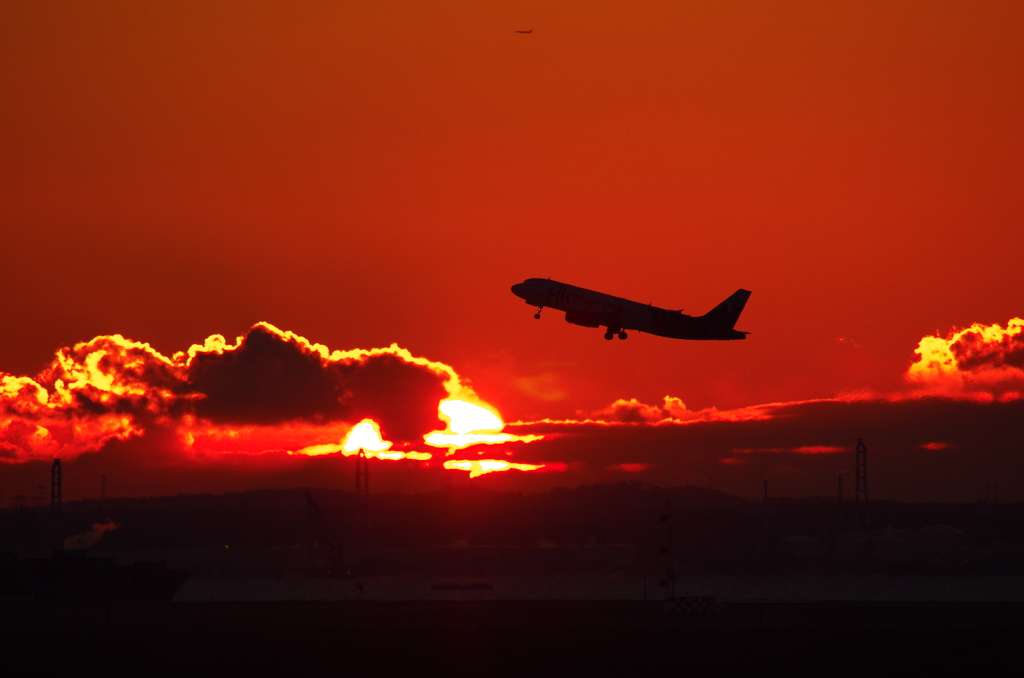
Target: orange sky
(365,173)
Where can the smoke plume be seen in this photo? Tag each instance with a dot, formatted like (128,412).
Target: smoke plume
(90,538)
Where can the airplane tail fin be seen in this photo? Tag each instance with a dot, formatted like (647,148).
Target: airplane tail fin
(725,315)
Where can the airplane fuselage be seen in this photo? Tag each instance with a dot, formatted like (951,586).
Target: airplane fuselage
(595,309)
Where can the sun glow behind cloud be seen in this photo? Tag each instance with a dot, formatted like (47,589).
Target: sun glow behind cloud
(364,437)
(268,392)
(471,424)
(270,398)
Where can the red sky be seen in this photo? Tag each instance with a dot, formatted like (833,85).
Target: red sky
(373,172)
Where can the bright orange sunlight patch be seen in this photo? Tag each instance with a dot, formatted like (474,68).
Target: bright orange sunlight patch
(470,424)
(479,467)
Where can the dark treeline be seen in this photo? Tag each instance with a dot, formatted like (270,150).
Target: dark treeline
(595,514)
(709,529)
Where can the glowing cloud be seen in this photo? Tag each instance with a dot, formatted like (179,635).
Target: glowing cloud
(275,396)
(479,467)
(635,412)
(980,359)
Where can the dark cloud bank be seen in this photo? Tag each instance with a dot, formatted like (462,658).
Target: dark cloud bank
(273,380)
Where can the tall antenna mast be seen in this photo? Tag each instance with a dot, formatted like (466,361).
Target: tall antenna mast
(668,550)
(362,489)
(860,498)
(56,502)
(362,477)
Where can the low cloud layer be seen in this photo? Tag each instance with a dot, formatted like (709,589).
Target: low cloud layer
(922,449)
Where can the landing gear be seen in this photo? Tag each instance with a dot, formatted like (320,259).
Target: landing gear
(537,314)
(622,334)
(608,335)
(613,331)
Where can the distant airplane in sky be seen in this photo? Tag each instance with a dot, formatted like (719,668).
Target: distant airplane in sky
(593,309)
(529,31)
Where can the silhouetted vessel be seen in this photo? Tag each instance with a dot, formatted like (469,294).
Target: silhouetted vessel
(72,575)
(475,586)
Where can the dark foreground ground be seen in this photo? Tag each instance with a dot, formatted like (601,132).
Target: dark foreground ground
(512,638)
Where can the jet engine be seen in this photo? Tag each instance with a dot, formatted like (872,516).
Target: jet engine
(588,319)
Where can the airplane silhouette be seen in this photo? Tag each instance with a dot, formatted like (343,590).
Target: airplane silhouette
(529,31)
(593,309)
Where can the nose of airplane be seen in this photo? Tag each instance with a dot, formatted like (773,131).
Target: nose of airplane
(519,289)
